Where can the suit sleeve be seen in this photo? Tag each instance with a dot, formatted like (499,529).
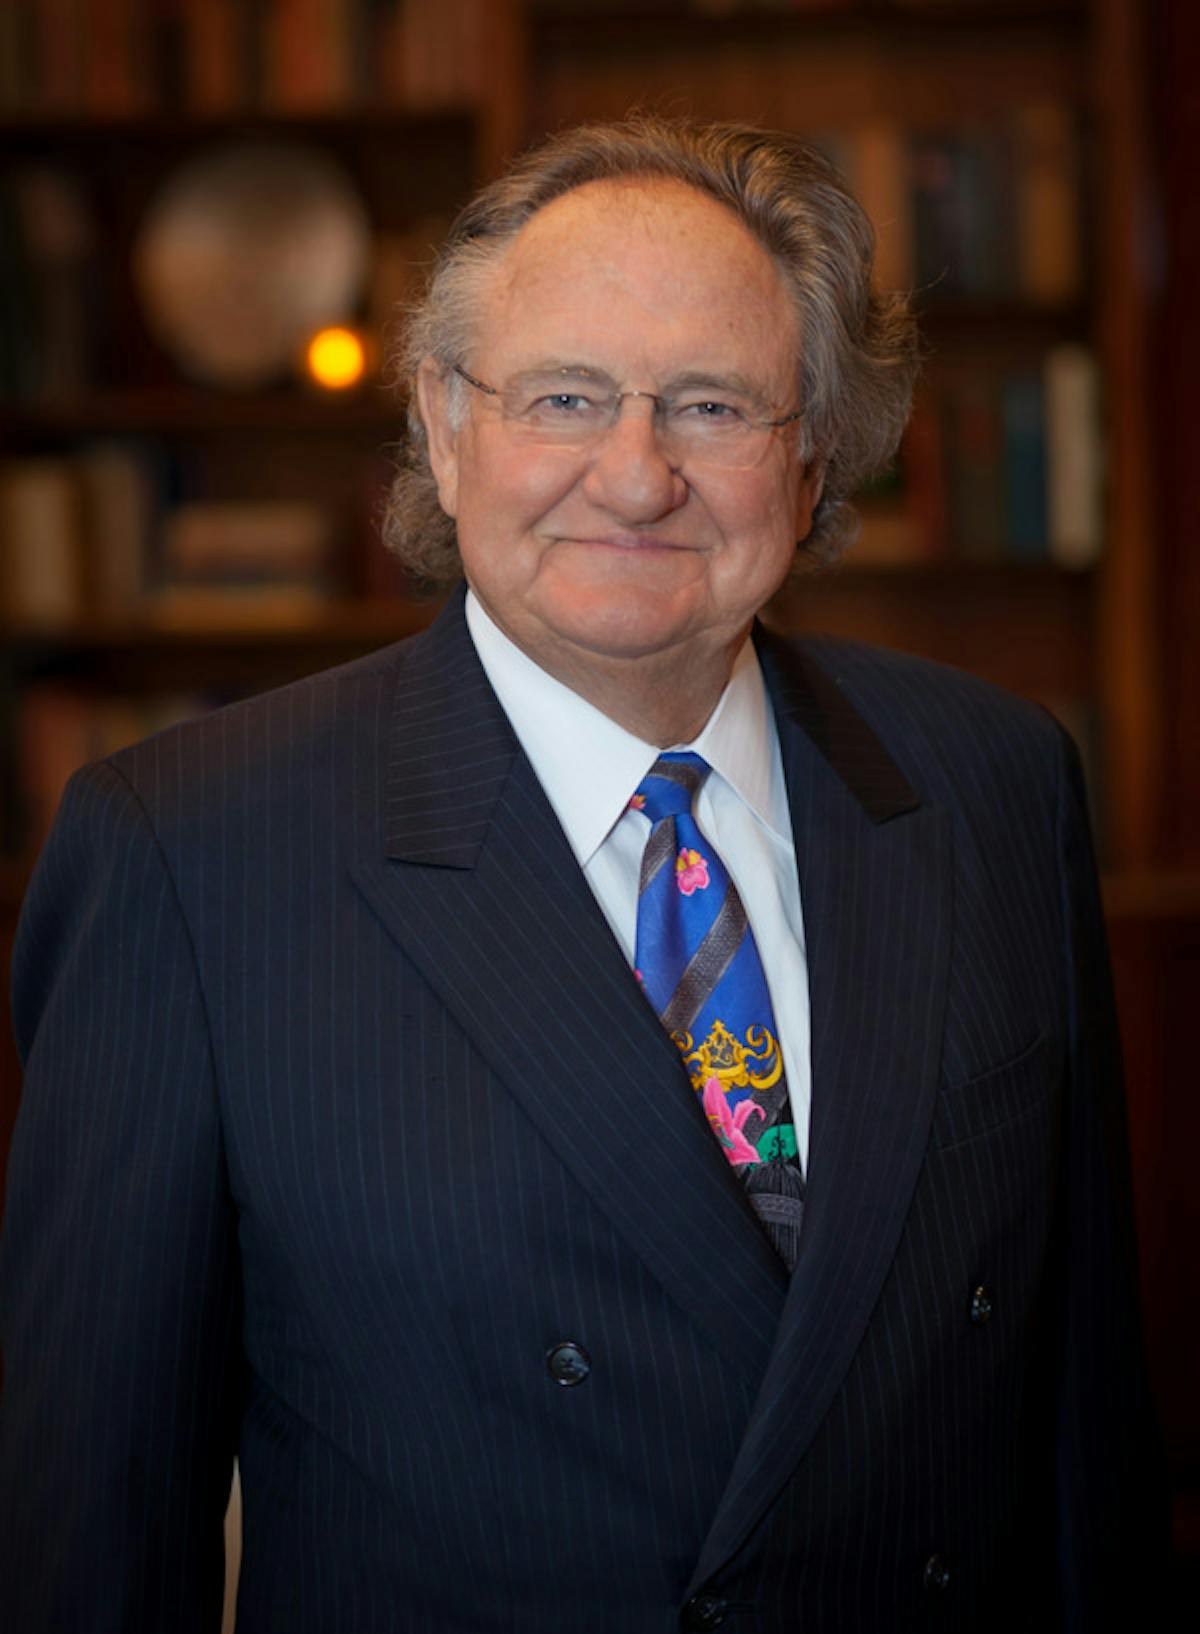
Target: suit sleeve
(119,1301)
(1111,1513)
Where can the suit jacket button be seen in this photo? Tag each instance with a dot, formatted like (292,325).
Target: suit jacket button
(981,1305)
(568,1363)
(937,1574)
(703,1611)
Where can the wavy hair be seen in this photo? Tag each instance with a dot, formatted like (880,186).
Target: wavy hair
(858,347)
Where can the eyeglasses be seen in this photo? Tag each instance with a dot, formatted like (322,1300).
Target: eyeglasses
(575,408)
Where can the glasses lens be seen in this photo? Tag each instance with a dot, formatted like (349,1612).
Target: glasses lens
(575,411)
(713,434)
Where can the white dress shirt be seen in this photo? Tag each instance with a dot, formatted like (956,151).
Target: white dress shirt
(589,767)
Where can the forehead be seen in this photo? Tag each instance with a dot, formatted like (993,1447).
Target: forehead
(638,276)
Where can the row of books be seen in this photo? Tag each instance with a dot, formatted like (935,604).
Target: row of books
(120,58)
(100,533)
(730,8)
(989,215)
(999,465)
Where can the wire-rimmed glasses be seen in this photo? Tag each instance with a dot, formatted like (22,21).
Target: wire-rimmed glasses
(700,420)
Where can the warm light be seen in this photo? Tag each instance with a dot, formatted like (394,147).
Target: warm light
(335,358)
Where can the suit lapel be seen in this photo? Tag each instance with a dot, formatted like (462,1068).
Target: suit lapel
(476,882)
(481,889)
(875,872)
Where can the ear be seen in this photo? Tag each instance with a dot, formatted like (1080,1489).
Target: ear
(808,497)
(433,399)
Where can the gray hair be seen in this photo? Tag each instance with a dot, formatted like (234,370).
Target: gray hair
(859,350)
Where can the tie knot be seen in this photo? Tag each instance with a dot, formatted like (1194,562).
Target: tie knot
(671,784)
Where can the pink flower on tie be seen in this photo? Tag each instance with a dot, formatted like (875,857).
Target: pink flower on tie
(728,1125)
(637,802)
(691,871)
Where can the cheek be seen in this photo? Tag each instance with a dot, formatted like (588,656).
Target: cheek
(763,522)
(508,496)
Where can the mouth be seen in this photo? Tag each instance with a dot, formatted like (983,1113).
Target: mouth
(631,542)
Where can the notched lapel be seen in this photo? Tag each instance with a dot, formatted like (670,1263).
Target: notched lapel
(876,879)
(481,889)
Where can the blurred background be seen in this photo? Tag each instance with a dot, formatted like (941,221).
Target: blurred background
(210,211)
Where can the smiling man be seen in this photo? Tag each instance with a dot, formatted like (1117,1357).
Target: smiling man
(613,1117)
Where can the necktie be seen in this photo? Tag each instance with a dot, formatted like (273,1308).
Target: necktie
(699,966)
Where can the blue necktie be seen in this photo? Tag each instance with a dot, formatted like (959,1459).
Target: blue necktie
(699,966)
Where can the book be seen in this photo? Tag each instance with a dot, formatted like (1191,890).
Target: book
(268,543)
(116,58)
(973,440)
(1022,413)
(878,174)
(308,55)
(214,79)
(41,543)
(1075,498)
(119,497)
(1048,202)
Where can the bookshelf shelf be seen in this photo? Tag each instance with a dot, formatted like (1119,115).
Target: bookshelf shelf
(453,119)
(351,624)
(174,411)
(852,20)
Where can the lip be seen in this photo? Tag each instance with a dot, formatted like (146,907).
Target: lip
(623,541)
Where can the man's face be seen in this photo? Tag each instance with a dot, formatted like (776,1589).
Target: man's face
(618,550)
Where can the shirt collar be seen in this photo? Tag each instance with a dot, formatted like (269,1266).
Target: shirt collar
(589,766)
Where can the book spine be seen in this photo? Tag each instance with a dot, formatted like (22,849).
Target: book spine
(41,543)
(1074,456)
(880,179)
(1048,226)
(1023,414)
(212,58)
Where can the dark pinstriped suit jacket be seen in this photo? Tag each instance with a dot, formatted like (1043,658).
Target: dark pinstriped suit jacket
(342,1109)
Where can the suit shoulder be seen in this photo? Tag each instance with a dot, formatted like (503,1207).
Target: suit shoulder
(945,727)
(267,746)
(920,692)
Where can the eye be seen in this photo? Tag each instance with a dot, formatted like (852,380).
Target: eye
(563,404)
(710,411)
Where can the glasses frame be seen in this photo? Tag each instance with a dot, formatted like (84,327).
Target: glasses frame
(619,398)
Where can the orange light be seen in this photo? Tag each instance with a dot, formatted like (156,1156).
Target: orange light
(335,358)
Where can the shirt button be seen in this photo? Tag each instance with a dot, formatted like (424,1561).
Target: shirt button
(703,1611)
(937,1574)
(981,1305)
(568,1363)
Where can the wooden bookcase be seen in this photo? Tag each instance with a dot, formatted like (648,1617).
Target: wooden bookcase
(1100,642)
(867,78)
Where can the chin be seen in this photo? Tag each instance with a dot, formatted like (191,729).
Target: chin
(620,624)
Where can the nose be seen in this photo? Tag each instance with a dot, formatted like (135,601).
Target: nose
(629,475)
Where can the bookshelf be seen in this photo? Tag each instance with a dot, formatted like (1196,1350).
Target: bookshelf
(169,538)
(970,130)
(981,134)
(1056,113)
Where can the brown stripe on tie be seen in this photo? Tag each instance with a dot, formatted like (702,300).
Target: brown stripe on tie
(707,965)
(660,849)
(688,777)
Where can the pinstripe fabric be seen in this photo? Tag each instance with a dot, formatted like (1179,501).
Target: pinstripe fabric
(277,965)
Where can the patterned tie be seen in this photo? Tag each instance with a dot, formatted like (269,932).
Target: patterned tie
(698,964)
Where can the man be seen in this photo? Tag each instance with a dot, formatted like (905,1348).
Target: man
(780,1281)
